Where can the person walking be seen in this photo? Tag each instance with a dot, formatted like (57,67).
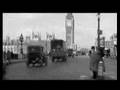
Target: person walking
(4,55)
(93,60)
(95,57)
(92,50)
(8,56)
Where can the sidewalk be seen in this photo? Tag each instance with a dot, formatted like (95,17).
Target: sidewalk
(110,61)
(99,78)
(111,57)
(111,68)
(17,60)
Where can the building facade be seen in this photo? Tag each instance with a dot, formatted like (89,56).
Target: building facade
(110,44)
(113,39)
(12,46)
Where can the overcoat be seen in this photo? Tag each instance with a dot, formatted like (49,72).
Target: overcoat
(8,55)
(94,61)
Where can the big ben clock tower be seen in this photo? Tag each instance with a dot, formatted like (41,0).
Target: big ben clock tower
(69,25)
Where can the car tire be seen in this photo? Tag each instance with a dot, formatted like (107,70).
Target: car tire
(65,60)
(27,65)
(53,60)
(45,63)
(33,64)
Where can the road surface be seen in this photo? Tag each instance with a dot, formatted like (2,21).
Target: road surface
(76,68)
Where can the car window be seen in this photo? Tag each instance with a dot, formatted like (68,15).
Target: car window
(35,49)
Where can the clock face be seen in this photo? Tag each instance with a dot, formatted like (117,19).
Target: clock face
(69,23)
(68,31)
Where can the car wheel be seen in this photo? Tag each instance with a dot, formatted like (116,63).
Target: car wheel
(31,64)
(52,59)
(45,63)
(64,60)
(27,65)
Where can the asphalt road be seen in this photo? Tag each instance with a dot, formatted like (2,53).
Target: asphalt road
(76,68)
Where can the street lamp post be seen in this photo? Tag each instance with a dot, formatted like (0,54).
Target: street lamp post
(104,42)
(115,49)
(46,41)
(98,31)
(46,46)
(21,40)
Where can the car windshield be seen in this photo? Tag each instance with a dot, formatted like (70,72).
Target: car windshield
(35,49)
(70,50)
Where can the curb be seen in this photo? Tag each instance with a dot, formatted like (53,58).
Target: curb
(17,61)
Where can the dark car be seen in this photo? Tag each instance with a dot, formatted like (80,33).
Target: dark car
(58,55)
(4,67)
(36,56)
(58,50)
(78,53)
(70,53)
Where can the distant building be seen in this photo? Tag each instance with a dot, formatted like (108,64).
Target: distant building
(84,50)
(110,44)
(113,39)
(102,42)
(36,36)
(28,38)
(12,46)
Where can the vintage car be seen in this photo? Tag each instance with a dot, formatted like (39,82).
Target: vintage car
(4,67)
(36,56)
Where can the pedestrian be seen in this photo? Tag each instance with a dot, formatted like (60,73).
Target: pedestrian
(12,55)
(89,52)
(8,56)
(95,57)
(4,55)
(92,50)
(109,52)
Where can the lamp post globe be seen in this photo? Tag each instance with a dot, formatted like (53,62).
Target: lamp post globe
(21,38)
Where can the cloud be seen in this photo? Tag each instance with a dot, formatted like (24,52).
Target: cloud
(85,36)
(85,25)
(26,15)
(30,15)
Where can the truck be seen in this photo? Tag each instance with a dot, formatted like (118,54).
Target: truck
(36,55)
(70,53)
(58,50)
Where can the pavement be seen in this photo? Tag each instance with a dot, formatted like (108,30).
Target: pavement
(17,60)
(111,71)
(76,68)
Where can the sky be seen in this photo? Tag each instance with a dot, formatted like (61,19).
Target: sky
(85,25)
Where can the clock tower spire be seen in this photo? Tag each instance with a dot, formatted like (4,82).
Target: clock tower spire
(69,25)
